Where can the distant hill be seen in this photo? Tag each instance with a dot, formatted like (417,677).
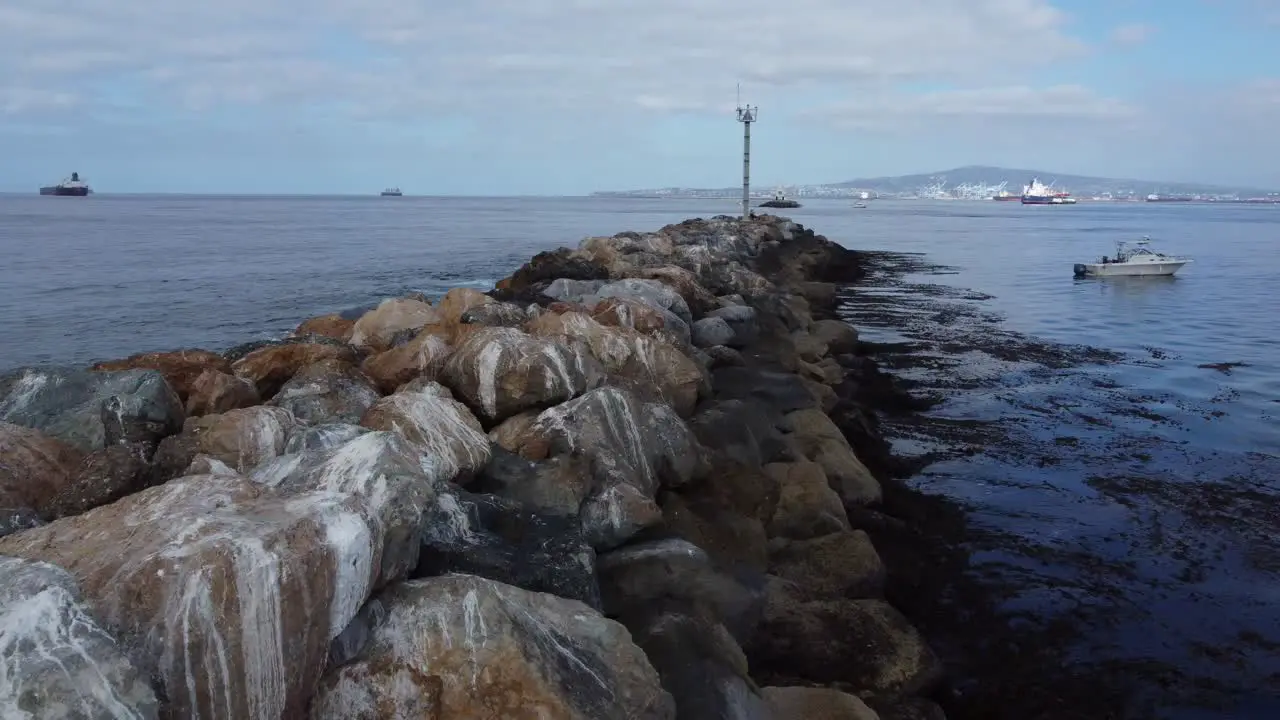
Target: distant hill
(973,181)
(1016,178)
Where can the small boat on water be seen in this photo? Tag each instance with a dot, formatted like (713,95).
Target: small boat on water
(392,192)
(779,201)
(859,205)
(1135,258)
(71,187)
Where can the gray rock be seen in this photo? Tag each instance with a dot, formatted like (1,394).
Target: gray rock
(91,409)
(57,661)
(780,391)
(722,356)
(712,331)
(556,486)
(650,292)
(501,540)
(14,520)
(496,314)
(742,318)
(641,576)
(322,437)
(702,667)
(633,448)
(573,290)
(327,392)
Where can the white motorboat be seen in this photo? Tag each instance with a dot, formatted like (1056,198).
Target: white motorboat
(1136,258)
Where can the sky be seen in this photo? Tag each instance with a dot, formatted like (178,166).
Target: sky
(563,97)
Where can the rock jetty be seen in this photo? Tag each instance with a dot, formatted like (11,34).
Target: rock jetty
(619,485)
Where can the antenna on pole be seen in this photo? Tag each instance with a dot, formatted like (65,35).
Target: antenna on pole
(746,116)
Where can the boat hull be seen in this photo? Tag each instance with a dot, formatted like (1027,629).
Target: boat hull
(1041,200)
(1154,269)
(64,191)
(779,204)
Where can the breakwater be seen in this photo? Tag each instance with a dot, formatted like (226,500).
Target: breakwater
(620,485)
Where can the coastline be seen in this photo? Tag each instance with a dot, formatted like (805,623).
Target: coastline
(668,437)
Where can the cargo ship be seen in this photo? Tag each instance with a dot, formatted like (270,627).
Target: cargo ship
(1037,193)
(71,187)
(392,192)
(1005,195)
(1168,198)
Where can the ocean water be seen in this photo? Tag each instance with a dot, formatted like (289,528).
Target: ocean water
(107,276)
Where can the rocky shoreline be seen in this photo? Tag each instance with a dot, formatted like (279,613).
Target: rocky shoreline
(635,480)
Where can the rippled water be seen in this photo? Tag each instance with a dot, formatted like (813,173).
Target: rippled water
(104,276)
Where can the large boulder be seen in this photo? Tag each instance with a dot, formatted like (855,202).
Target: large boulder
(650,368)
(839,565)
(503,540)
(377,328)
(180,368)
(820,440)
(333,326)
(270,366)
(242,439)
(214,392)
(327,392)
(448,436)
(58,661)
(633,448)
(226,593)
(499,372)
(808,703)
(421,357)
(807,506)
(34,469)
(91,410)
(866,645)
(461,646)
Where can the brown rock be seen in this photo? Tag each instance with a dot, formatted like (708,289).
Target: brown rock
(513,435)
(499,372)
(423,356)
(838,565)
(270,367)
(180,368)
(376,328)
(730,538)
(468,647)
(561,307)
(215,392)
(807,506)
(807,703)
(620,312)
(244,438)
(103,477)
(808,347)
(866,645)
(459,300)
(820,440)
(333,326)
(34,468)
(822,393)
(839,336)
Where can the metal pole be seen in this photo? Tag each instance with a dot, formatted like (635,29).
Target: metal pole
(746,169)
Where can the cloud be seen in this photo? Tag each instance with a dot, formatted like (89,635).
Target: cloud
(1131,35)
(390,57)
(913,112)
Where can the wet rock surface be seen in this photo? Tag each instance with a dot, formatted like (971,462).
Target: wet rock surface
(643,478)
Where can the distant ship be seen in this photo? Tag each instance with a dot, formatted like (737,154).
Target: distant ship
(1005,195)
(392,192)
(71,187)
(1037,193)
(1168,198)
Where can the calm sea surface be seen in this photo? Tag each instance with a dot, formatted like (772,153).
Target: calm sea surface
(104,276)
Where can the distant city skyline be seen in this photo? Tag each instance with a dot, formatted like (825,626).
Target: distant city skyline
(567,97)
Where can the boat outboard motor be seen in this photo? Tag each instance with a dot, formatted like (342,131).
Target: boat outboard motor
(1080,270)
